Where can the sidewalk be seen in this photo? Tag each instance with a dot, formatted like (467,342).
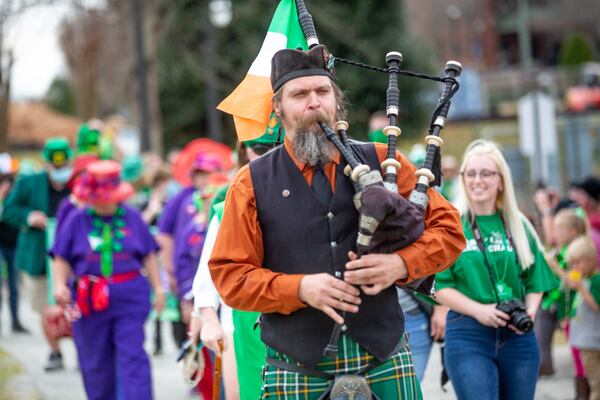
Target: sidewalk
(31,352)
(26,355)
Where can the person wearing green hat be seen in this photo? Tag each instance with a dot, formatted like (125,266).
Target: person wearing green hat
(31,207)
(235,328)
(88,140)
(377,122)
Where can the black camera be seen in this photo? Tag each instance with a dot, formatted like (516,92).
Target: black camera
(518,314)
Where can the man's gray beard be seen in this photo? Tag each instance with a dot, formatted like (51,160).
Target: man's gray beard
(312,147)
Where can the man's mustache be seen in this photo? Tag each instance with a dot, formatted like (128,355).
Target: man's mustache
(314,117)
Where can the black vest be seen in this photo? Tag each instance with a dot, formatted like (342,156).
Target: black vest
(300,236)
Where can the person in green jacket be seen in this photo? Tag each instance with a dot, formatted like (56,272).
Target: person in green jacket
(31,207)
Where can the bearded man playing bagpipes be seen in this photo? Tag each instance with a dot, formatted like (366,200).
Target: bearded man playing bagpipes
(290,223)
(314,239)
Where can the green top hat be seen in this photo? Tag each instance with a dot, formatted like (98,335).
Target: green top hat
(271,135)
(88,140)
(57,151)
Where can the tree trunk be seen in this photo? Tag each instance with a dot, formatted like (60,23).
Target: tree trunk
(4,100)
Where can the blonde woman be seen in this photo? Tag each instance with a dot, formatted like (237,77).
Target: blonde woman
(492,353)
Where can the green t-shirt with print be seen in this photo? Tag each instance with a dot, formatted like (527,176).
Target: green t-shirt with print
(469,274)
(560,299)
(594,287)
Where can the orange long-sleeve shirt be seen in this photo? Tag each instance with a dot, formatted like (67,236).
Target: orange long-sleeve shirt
(236,261)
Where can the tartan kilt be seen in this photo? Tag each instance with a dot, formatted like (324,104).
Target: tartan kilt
(393,379)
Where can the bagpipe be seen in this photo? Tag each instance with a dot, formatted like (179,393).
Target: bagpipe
(387,221)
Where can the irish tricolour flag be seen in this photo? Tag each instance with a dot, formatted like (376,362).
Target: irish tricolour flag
(250,102)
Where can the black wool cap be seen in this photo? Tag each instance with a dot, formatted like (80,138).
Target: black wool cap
(288,64)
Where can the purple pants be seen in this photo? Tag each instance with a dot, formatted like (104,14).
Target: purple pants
(116,337)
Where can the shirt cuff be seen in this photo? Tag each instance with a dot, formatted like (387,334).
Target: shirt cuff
(412,257)
(288,287)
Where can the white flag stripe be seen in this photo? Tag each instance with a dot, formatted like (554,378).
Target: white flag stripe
(262,64)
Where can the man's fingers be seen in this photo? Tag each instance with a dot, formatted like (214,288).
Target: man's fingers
(341,305)
(340,295)
(342,286)
(367,276)
(352,255)
(330,312)
(371,290)
(363,262)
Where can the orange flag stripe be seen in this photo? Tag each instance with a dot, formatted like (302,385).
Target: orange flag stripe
(250,104)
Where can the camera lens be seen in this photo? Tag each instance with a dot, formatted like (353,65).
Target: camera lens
(521,321)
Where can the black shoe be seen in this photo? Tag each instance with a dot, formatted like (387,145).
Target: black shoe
(55,362)
(18,328)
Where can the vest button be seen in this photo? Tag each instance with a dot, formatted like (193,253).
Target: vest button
(333,244)
(330,215)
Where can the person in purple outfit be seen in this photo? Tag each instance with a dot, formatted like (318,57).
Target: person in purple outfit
(100,260)
(182,228)
(183,225)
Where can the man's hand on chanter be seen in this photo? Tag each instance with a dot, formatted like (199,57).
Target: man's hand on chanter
(374,272)
(328,294)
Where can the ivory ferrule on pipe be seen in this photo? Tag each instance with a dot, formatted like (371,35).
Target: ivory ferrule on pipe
(440,121)
(312,41)
(390,162)
(392,130)
(424,180)
(424,172)
(341,125)
(392,110)
(390,169)
(434,140)
(348,170)
(360,170)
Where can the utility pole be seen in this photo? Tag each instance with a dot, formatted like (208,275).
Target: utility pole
(524,34)
(141,70)
(215,124)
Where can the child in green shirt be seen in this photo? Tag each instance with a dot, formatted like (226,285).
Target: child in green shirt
(557,304)
(585,326)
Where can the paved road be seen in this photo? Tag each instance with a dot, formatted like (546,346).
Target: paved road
(33,384)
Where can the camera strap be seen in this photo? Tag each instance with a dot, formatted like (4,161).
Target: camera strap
(481,246)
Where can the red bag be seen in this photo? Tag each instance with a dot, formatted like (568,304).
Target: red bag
(82,295)
(100,295)
(57,324)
